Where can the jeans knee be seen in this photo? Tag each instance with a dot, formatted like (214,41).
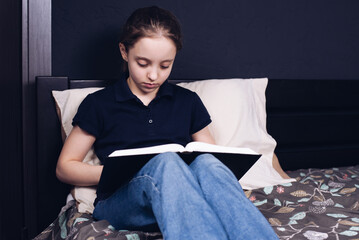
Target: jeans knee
(165,162)
(205,161)
(207,165)
(166,158)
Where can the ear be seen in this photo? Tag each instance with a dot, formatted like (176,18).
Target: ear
(123,52)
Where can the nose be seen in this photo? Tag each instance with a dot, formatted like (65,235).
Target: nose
(153,74)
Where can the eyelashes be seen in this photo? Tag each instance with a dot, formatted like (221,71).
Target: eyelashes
(142,65)
(146,65)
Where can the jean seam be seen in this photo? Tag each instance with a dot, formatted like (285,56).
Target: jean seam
(152,180)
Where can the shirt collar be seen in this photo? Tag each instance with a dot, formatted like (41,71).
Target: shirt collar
(123,92)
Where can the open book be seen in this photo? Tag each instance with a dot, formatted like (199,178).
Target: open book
(122,165)
(190,147)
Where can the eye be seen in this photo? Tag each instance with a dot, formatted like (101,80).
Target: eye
(142,64)
(165,67)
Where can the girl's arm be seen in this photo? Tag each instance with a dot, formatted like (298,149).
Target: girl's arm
(203,135)
(70,168)
(278,168)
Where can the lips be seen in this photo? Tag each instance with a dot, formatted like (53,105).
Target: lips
(150,85)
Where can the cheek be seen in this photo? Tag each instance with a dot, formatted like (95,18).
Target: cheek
(135,71)
(166,73)
(164,76)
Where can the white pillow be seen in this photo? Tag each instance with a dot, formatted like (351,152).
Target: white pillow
(67,103)
(238,111)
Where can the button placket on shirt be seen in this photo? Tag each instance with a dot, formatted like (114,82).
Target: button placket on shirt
(150,121)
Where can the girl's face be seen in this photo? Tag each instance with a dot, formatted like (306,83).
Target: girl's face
(150,62)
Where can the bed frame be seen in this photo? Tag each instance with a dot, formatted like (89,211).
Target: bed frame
(315,123)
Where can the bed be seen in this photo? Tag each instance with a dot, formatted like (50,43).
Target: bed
(314,123)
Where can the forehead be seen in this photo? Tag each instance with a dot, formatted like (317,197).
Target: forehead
(154,48)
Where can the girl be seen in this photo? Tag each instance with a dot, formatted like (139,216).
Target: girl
(201,201)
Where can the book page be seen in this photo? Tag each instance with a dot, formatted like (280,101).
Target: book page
(206,147)
(172,147)
(191,147)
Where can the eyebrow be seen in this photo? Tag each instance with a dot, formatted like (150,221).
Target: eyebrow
(148,60)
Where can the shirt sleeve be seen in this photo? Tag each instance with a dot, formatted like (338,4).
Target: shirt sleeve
(200,115)
(88,116)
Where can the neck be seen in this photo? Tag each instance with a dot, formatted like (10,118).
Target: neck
(145,98)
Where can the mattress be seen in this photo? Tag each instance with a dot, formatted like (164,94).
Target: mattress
(321,204)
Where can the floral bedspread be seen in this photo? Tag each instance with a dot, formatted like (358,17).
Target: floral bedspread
(71,224)
(322,204)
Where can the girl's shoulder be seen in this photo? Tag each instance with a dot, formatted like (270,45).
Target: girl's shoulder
(102,92)
(178,89)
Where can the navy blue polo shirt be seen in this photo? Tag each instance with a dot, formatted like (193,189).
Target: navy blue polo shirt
(119,120)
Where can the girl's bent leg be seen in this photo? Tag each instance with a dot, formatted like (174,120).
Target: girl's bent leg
(164,191)
(241,219)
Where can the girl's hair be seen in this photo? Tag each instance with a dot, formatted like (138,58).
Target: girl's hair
(151,22)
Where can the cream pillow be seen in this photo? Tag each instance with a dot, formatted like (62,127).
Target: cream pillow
(238,111)
(67,103)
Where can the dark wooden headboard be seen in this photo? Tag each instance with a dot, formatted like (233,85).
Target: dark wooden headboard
(315,123)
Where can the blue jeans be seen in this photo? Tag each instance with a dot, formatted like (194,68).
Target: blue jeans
(200,201)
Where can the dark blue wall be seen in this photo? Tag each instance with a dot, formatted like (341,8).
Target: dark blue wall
(11,180)
(317,39)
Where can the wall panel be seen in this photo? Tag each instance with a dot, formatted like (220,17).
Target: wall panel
(247,38)
(11,201)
